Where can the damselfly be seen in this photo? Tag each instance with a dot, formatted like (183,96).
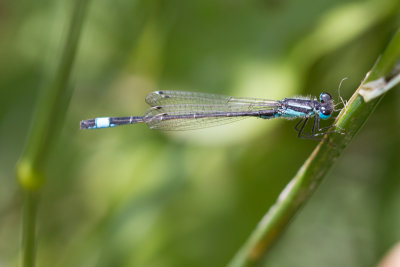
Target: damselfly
(178,110)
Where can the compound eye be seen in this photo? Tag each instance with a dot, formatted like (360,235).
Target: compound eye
(324,113)
(325,97)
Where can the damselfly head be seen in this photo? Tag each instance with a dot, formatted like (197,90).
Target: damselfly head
(326,108)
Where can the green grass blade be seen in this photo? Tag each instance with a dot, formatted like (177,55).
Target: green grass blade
(51,108)
(301,187)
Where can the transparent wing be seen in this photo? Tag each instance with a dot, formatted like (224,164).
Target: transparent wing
(196,116)
(161,98)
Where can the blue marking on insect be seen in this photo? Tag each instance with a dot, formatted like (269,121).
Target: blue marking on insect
(323,116)
(103,123)
(292,113)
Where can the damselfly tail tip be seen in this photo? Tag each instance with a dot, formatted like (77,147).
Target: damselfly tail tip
(87,124)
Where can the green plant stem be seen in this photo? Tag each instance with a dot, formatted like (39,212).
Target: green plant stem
(307,179)
(29,225)
(50,110)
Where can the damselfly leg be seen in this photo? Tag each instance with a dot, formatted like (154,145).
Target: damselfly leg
(316,131)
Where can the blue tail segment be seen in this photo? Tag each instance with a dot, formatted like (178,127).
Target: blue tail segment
(107,122)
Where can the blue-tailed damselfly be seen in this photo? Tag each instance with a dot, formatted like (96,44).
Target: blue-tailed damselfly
(178,110)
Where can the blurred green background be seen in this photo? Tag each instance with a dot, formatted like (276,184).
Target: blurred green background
(131,196)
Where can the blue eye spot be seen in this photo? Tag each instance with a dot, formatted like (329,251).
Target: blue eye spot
(323,116)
